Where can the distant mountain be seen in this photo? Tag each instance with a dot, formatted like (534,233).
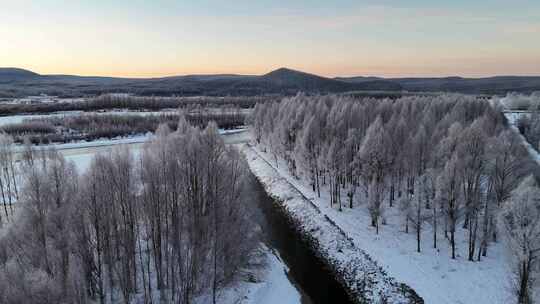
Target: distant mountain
(287,78)
(488,85)
(282,81)
(18,82)
(14,74)
(292,80)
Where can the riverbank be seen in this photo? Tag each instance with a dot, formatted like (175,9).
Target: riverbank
(364,280)
(265,282)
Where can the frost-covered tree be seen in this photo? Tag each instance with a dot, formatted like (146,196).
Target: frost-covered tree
(8,172)
(375,164)
(334,161)
(40,242)
(375,206)
(447,150)
(506,166)
(449,196)
(165,228)
(520,222)
(419,210)
(309,151)
(471,153)
(352,163)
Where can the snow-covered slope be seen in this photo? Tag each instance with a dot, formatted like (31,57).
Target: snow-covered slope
(366,281)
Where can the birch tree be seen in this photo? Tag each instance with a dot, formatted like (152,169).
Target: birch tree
(520,222)
(449,194)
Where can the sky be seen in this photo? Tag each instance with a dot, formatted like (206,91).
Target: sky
(390,38)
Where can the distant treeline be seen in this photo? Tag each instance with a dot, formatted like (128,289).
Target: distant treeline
(95,126)
(138,103)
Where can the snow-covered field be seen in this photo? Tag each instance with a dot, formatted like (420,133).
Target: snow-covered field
(432,273)
(78,151)
(4,120)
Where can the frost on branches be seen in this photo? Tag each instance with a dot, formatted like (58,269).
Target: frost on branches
(446,164)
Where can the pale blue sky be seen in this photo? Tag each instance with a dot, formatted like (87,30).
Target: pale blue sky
(385,38)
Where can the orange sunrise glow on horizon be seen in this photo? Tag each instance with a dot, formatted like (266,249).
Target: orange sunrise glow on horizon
(346,38)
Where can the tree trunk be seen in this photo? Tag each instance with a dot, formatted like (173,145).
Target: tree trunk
(453,244)
(523,292)
(338,190)
(318,185)
(473,228)
(392,191)
(407,224)
(3,197)
(434,226)
(418,239)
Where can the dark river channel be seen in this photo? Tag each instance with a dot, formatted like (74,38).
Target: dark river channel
(307,272)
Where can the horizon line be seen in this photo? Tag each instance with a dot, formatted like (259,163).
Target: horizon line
(157,75)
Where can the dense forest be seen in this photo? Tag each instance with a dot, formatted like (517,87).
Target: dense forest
(163,227)
(442,161)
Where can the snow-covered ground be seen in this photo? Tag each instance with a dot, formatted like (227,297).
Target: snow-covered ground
(81,153)
(20,118)
(513,116)
(4,120)
(272,285)
(232,136)
(432,273)
(98,143)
